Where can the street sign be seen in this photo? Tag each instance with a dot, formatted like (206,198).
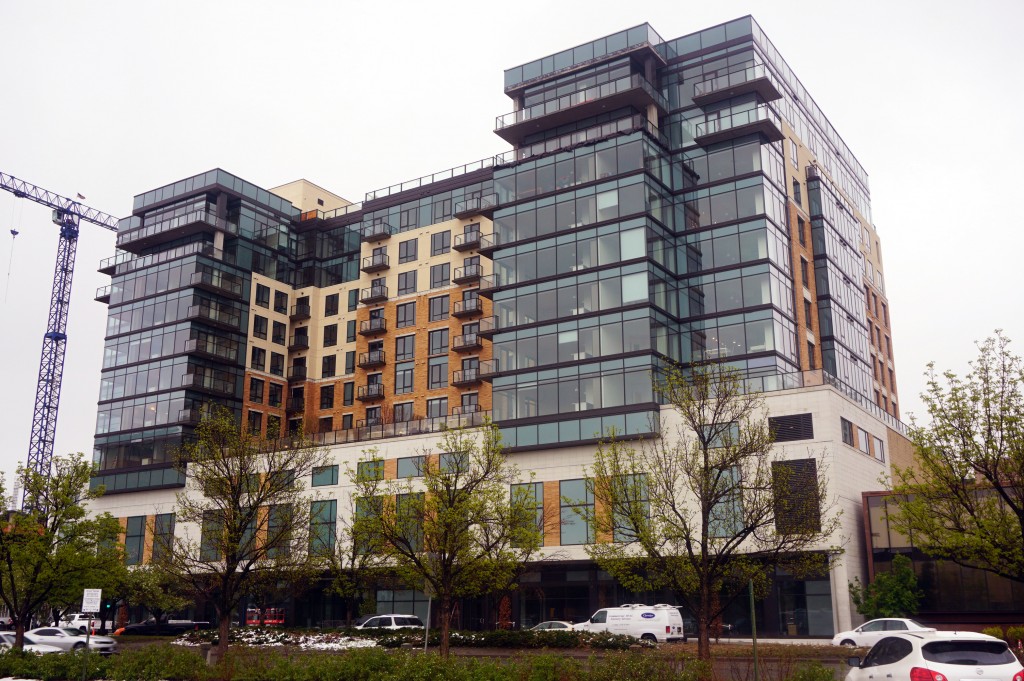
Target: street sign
(91,600)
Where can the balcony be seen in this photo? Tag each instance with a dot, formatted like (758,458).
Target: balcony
(632,91)
(216,282)
(467,274)
(480,205)
(370,391)
(296,404)
(177,227)
(213,348)
(376,231)
(756,78)
(465,377)
(373,327)
(299,341)
(466,410)
(488,326)
(226,319)
(466,342)
(296,372)
(488,369)
(109,265)
(103,294)
(300,312)
(373,358)
(208,384)
(373,294)
(467,241)
(488,244)
(761,119)
(376,263)
(467,308)
(189,417)
(488,285)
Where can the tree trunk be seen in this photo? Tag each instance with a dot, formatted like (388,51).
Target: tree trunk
(19,633)
(223,632)
(704,623)
(446,622)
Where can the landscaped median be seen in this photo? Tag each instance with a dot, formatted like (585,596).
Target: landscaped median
(277,655)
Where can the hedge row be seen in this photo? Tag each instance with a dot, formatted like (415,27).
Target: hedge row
(175,663)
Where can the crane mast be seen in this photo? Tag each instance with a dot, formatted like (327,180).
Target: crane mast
(67,215)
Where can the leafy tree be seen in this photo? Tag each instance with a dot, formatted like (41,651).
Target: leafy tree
(155,590)
(894,593)
(358,560)
(243,514)
(964,499)
(459,530)
(55,543)
(707,507)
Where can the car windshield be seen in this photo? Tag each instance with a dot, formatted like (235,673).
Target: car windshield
(914,624)
(967,652)
(71,632)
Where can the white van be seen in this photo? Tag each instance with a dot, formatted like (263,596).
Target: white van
(660,622)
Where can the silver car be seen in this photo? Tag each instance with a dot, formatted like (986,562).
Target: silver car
(7,643)
(67,638)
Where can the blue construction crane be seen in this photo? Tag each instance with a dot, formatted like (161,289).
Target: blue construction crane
(67,214)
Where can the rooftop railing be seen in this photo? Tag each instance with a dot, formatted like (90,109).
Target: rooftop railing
(448,174)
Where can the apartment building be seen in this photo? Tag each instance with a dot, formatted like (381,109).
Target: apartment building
(662,201)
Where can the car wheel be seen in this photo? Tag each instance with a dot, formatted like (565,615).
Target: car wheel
(847,642)
(649,637)
(78,646)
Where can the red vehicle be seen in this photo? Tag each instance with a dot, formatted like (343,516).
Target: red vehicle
(272,617)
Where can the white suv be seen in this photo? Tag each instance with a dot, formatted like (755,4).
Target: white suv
(78,621)
(937,656)
(392,622)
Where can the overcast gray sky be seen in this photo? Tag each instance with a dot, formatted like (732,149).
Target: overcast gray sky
(111,99)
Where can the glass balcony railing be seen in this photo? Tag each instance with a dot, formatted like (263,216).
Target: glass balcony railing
(217,281)
(488,368)
(369,327)
(373,358)
(465,377)
(376,231)
(376,263)
(466,241)
(300,311)
(469,273)
(371,391)
(197,217)
(466,308)
(475,206)
(228,318)
(565,102)
(373,294)
(297,372)
(299,341)
(207,383)
(216,348)
(756,78)
(763,117)
(103,293)
(466,341)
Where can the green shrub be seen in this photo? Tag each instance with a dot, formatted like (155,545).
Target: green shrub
(1014,635)
(813,671)
(155,662)
(697,670)
(994,631)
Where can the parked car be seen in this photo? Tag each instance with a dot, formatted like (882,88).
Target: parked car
(166,627)
(392,622)
(553,625)
(6,622)
(30,645)
(868,633)
(660,622)
(937,656)
(80,621)
(67,638)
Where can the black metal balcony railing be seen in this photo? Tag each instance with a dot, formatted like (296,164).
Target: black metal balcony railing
(300,311)
(297,372)
(371,391)
(488,326)
(468,307)
(465,342)
(488,368)
(376,231)
(376,263)
(762,119)
(466,241)
(372,358)
(299,341)
(371,327)
(465,377)
(296,404)
(373,294)
(756,78)
(467,274)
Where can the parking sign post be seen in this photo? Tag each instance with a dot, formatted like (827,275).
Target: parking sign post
(90,606)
